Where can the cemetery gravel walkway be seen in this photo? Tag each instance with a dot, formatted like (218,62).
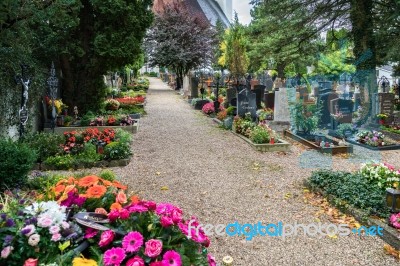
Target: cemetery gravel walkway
(182,157)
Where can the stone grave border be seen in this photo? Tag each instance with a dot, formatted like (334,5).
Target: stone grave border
(383,148)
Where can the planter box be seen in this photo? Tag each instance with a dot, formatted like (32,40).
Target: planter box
(381,148)
(311,144)
(279,145)
(390,234)
(60,130)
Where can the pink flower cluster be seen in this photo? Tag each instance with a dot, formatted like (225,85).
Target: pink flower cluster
(395,220)
(169,214)
(196,235)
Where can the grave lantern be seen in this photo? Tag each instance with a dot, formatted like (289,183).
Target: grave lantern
(393,199)
(52,82)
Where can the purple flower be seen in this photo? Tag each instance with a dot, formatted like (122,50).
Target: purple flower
(8,239)
(21,202)
(10,222)
(3,216)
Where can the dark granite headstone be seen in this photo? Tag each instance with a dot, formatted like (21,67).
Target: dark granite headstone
(246,103)
(342,106)
(259,91)
(230,94)
(269,100)
(269,84)
(325,100)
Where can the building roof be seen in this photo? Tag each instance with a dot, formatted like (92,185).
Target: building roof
(207,10)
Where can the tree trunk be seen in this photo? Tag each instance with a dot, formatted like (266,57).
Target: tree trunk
(364,50)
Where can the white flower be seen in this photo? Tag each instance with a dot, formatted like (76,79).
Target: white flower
(34,240)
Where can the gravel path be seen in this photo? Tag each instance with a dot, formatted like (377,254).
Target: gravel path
(214,175)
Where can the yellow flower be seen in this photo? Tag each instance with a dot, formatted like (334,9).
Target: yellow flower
(84,262)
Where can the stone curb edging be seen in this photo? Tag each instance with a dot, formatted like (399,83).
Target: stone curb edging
(390,234)
(280,145)
(99,164)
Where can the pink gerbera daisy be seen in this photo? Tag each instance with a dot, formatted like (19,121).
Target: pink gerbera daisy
(171,258)
(114,257)
(132,242)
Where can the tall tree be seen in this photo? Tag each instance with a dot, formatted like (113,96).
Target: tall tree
(180,42)
(234,50)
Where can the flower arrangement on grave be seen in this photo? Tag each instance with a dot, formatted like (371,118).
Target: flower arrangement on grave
(58,104)
(371,138)
(208,108)
(111,120)
(111,104)
(394,220)
(38,231)
(259,133)
(382,118)
(382,174)
(265,114)
(131,100)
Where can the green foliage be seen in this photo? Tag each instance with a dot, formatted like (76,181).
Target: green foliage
(108,175)
(61,162)
(342,128)
(88,156)
(230,110)
(44,181)
(352,189)
(259,135)
(17,160)
(44,144)
(117,150)
(306,116)
(234,50)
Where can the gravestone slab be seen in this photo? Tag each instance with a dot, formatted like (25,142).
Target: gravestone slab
(325,100)
(269,84)
(342,106)
(269,100)
(281,110)
(259,91)
(386,103)
(246,103)
(230,95)
(194,90)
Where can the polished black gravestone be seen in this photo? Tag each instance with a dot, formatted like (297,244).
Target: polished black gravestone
(246,103)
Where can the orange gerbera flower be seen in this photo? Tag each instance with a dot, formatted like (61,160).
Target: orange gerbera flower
(106,182)
(119,185)
(115,206)
(59,189)
(134,199)
(61,182)
(71,180)
(96,191)
(88,181)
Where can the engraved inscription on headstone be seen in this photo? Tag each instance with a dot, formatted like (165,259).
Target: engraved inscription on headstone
(246,103)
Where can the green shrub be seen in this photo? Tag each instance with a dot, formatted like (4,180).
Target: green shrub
(259,135)
(352,189)
(230,110)
(17,159)
(61,162)
(43,181)
(107,175)
(89,155)
(45,144)
(117,150)
(123,136)
(87,118)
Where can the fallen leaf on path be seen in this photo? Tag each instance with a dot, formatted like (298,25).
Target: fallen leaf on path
(389,250)
(164,188)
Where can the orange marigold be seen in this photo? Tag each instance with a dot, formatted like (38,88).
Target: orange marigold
(58,189)
(96,191)
(119,185)
(115,206)
(88,181)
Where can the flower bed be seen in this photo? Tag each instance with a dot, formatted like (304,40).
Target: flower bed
(374,140)
(88,148)
(362,194)
(327,146)
(108,228)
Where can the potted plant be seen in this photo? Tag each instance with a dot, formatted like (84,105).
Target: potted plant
(67,120)
(382,118)
(111,104)
(306,118)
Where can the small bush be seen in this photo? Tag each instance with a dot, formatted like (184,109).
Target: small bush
(17,159)
(61,162)
(45,144)
(259,135)
(231,110)
(43,181)
(117,150)
(108,175)
(88,155)
(352,189)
